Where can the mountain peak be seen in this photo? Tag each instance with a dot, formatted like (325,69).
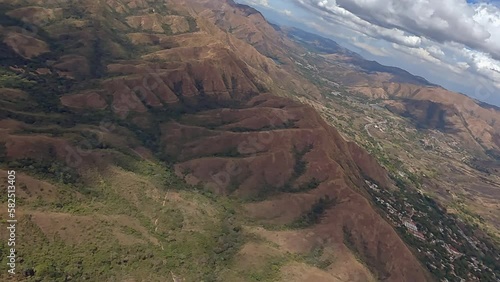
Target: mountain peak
(193,140)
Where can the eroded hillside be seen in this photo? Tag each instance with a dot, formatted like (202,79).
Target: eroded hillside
(158,140)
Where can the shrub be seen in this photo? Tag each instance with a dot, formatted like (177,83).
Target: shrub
(314,215)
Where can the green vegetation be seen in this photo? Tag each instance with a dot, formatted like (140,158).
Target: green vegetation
(193,25)
(137,219)
(429,216)
(9,79)
(167,29)
(194,236)
(46,169)
(440,229)
(3,152)
(308,186)
(300,164)
(96,60)
(286,125)
(314,215)
(45,90)
(317,259)
(349,241)
(299,169)
(230,153)
(270,271)
(290,186)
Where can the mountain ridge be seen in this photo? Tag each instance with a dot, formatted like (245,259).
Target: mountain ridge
(185,138)
(382,82)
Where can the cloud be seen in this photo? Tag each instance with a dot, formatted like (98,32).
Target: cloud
(421,53)
(344,17)
(435,52)
(460,37)
(263,3)
(288,12)
(437,20)
(483,65)
(381,52)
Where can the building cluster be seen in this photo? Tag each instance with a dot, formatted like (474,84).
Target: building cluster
(397,217)
(439,239)
(412,228)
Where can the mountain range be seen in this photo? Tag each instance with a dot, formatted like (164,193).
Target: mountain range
(183,140)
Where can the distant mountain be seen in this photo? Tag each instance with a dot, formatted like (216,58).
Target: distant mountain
(326,46)
(123,94)
(475,122)
(317,43)
(160,140)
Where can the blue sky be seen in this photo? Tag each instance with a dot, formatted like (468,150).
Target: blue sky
(454,43)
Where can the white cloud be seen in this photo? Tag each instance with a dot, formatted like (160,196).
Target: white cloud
(436,52)
(344,17)
(455,35)
(483,65)
(421,53)
(381,52)
(263,3)
(438,20)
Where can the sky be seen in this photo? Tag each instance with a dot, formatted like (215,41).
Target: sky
(453,43)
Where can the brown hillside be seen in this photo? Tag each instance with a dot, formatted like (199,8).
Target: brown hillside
(233,152)
(205,87)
